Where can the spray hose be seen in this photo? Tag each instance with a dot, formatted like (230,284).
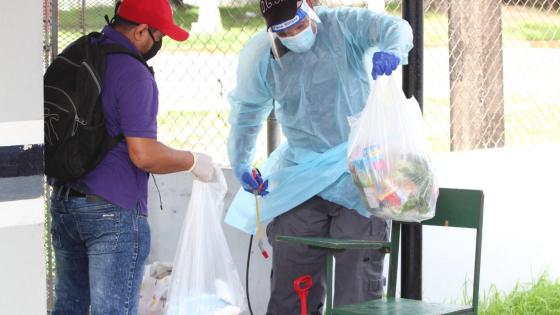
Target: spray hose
(259,226)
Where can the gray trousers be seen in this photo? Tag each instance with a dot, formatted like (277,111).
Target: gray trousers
(359,273)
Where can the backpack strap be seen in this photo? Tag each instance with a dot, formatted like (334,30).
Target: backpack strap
(107,49)
(116,139)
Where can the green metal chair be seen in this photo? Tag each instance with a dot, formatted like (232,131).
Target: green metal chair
(458,208)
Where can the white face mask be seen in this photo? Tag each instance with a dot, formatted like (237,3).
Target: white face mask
(301,42)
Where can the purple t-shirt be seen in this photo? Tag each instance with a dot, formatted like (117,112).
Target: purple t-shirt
(130,106)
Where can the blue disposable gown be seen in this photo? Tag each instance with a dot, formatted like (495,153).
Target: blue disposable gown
(315,92)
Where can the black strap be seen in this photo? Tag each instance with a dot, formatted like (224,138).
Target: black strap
(119,49)
(116,139)
(111,21)
(281,50)
(106,49)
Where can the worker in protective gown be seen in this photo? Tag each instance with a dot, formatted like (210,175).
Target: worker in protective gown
(309,66)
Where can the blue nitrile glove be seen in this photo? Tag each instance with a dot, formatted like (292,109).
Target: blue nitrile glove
(251,179)
(384,63)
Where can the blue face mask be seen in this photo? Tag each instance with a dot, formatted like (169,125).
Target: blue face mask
(301,42)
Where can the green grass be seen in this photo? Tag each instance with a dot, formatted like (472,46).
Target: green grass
(518,25)
(539,297)
(531,24)
(542,297)
(72,19)
(240,23)
(436,116)
(205,131)
(536,121)
(527,121)
(533,31)
(187,129)
(232,17)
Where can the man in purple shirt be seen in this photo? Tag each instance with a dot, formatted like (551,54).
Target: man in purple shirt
(99,227)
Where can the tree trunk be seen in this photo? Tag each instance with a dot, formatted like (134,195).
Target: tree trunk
(209,19)
(476,74)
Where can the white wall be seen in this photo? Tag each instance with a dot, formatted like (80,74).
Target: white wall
(22,265)
(21,69)
(521,215)
(22,268)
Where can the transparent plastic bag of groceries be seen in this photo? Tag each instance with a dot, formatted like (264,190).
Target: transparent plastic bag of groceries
(389,156)
(204,278)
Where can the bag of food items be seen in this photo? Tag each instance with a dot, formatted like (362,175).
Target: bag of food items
(389,156)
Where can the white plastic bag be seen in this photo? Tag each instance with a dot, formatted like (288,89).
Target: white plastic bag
(389,156)
(154,290)
(205,279)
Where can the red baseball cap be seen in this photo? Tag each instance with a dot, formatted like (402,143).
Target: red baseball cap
(156,13)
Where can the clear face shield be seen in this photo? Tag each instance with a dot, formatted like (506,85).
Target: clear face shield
(297,34)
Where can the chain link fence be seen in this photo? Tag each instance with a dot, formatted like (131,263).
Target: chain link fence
(490,72)
(491,69)
(194,76)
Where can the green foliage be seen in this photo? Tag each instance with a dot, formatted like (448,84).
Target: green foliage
(415,168)
(542,297)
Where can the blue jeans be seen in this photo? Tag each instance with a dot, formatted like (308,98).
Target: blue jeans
(100,251)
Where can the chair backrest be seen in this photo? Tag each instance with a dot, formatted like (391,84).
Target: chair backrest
(458,208)
(462,208)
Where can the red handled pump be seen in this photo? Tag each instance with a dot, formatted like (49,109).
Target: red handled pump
(302,286)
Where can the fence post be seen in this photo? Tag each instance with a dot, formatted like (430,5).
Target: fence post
(54,29)
(476,74)
(272,132)
(46,31)
(84,17)
(51,14)
(411,236)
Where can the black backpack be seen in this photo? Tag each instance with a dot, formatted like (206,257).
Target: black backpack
(76,139)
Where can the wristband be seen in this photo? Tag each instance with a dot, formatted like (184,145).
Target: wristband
(195,159)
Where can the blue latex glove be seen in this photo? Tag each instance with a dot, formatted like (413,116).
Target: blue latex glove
(251,179)
(384,63)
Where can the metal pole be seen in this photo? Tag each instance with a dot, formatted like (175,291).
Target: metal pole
(413,84)
(49,248)
(411,261)
(272,132)
(84,26)
(53,19)
(54,29)
(46,32)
